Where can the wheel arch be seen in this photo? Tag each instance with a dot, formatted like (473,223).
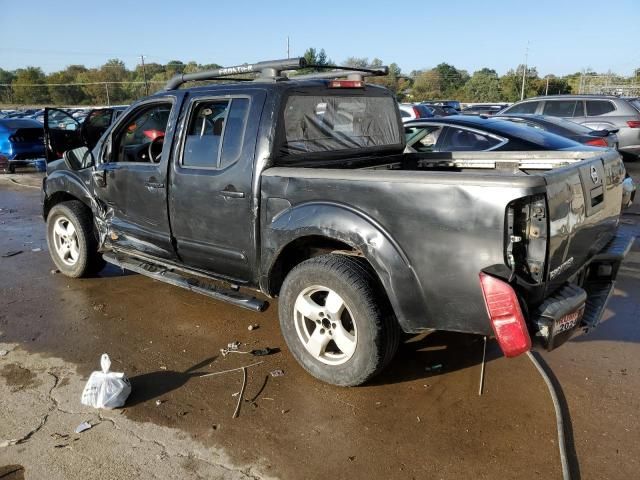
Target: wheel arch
(323,227)
(62,187)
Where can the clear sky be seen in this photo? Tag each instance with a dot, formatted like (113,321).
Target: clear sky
(564,36)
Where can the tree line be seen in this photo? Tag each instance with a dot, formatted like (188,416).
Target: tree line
(112,83)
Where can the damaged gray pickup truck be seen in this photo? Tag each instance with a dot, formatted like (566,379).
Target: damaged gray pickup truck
(299,187)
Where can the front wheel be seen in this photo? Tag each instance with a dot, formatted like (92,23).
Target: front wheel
(71,239)
(335,321)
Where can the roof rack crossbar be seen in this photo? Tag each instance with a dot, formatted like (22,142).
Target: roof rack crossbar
(342,72)
(270,68)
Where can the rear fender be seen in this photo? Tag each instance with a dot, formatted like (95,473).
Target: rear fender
(367,237)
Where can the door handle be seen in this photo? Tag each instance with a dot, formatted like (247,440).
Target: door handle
(154,185)
(232,194)
(100,178)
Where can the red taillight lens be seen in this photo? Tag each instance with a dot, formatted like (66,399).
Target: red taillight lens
(597,142)
(346,84)
(416,112)
(153,134)
(505,315)
(633,123)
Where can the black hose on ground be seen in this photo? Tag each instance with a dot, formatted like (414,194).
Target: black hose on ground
(566,472)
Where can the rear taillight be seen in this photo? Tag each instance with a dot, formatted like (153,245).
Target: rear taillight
(633,123)
(416,112)
(346,84)
(597,142)
(505,316)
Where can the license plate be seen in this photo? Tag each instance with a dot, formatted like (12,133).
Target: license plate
(568,321)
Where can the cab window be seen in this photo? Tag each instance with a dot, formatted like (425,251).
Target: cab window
(526,107)
(142,137)
(462,140)
(215,133)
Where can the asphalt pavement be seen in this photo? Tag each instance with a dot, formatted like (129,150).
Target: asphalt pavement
(422,418)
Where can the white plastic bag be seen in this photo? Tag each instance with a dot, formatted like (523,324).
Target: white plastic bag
(106,389)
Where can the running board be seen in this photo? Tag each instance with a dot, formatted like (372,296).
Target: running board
(171,276)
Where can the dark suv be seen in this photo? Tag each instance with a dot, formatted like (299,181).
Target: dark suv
(598,112)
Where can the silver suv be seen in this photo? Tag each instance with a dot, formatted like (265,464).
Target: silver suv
(598,112)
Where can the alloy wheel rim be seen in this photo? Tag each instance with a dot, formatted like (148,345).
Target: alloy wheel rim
(325,325)
(65,239)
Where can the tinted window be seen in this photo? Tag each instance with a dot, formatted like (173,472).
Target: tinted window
(234,131)
(545,140)
(404,114)
(333,123)
(462,140)
(560,108)
(526,107)
(599,107)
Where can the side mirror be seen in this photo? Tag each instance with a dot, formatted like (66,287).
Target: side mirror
(79,158)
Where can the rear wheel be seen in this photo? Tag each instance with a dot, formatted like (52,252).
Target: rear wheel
(73,245)
(334,320)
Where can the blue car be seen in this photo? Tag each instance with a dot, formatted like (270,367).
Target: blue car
(21,141)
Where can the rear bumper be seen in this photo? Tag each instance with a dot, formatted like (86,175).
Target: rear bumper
(580,304)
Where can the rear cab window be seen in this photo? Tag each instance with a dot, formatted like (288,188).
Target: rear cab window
(331,125)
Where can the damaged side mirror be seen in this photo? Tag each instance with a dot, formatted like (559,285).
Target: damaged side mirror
(79,158)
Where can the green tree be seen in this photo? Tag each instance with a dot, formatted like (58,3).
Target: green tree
(451,80)
(483,86)
(29,86)
(66,94)
(511,84)
(6,92)
(427,85)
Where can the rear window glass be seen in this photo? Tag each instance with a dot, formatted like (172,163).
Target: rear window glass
(541,138)
(317,124)
(599,107)
(636,104)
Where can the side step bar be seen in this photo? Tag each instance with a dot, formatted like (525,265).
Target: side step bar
(168,275)
(598,295)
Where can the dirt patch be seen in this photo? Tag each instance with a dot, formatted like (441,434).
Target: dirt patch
(18,377)
(12,472)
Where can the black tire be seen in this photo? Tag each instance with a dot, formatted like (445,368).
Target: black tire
(378,333)
(88,260)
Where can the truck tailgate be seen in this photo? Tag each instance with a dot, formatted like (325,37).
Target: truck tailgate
(584,202)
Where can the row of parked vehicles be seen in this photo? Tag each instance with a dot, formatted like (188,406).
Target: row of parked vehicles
(310,189)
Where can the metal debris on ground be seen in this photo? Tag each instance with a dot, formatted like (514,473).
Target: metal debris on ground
(244,384)
(11,253)
(230,370)
(232,347)
(277,373)
(36,249)
(159,402)
(83,426)
(434,368)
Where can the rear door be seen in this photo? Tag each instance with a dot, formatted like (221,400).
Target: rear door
(62,132)
(211,184)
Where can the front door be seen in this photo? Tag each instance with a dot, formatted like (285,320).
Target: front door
(211,186)
(61,133)
(130,179)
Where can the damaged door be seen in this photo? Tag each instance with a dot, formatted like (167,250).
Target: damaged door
(62,132)
(130,180)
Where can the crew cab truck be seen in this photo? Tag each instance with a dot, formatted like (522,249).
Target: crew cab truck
(299,187)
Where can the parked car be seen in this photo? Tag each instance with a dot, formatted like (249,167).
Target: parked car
(4,163)
(409,111)
(566,128)
(464,133)
(21,141)
(444,103)
(449,110)
(66,132)
(482,109)
(598,112)
(257,185)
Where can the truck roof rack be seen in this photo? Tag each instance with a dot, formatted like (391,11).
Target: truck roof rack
(271,69)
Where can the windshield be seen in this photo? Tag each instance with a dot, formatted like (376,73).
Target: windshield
(333,123)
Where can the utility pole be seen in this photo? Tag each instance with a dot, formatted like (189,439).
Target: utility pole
(546,90)
(524,72)
(144,77)
(288,51)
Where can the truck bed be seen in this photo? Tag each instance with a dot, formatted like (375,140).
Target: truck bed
(440,219)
